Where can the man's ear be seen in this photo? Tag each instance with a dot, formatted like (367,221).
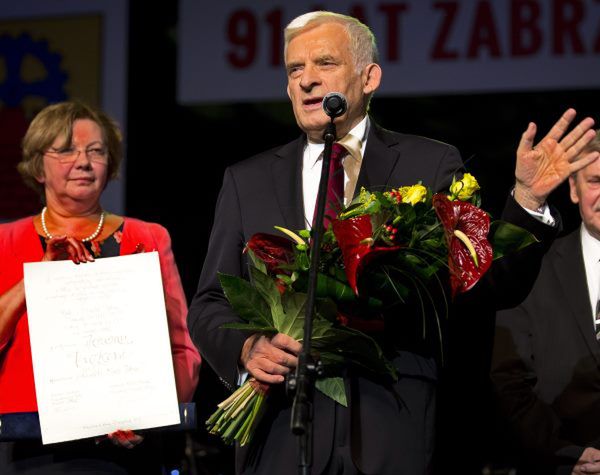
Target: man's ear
(371,78)
(288,91)
(573,189)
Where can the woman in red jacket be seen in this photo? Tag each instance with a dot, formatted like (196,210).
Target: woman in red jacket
(70,152)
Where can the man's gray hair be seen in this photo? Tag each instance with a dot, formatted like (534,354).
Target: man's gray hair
(594,145)
(363,45)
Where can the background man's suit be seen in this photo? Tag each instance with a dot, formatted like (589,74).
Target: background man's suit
(546,363)
(391,425)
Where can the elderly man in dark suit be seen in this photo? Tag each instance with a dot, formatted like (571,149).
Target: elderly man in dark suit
(547,351)
(387,428)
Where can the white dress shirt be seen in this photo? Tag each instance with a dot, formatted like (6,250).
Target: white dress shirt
(312,164)
(591,258)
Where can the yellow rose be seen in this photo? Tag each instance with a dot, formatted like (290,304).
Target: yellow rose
(413,194)
(464,189)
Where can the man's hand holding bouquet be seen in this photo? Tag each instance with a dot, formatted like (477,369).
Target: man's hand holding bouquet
(383,248)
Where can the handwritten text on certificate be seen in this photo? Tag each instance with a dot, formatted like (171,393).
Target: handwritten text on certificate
(100,346)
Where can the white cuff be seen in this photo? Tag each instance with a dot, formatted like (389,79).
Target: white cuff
(543,214)
(242,376)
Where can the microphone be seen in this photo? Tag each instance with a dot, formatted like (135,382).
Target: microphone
(334,104)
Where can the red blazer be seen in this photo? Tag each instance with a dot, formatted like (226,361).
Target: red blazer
(20,243)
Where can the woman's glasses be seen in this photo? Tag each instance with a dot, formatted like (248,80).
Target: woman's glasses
(70,154)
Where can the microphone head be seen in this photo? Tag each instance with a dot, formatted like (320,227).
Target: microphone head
(334,104)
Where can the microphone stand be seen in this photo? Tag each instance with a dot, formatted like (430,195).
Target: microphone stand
(303,382)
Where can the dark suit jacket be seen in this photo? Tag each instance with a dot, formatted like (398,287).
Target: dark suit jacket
(545,364)
(391,426)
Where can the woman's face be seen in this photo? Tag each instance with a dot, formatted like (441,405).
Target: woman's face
(76,172)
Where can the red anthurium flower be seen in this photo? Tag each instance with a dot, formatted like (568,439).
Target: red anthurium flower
(374,325)
(273,250)
(355,238)
(466,228)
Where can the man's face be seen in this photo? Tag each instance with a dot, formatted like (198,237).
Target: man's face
(319,61)
(585,191)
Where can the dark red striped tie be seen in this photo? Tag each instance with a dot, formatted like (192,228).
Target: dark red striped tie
(335,186)
(597,320)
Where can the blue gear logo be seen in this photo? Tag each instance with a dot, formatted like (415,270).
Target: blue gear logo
(14,89)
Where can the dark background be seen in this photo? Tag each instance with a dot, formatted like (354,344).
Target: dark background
(177,155)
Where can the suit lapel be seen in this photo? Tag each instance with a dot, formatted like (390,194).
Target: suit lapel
(379,160)
(286,174)
(570,272)
(378,165)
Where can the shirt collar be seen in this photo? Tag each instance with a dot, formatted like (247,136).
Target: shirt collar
(314,150)
(590,246)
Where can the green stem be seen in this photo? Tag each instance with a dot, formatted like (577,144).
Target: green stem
(231,428)
(243,388)
(433,228)
(244,402)
(241,434)
(239,400)
(255,412)
(215,416)
(221,421)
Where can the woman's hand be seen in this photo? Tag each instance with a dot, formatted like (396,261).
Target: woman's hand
(61,248)
(125,438)
(12,302)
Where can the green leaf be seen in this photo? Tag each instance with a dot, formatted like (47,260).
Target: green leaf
(379,285)
(333,388)
(330,287)
(292,318)
(333,288)
(506,238)
(357,347)
(249,327)
(330,359)
(363,204)
(246,301)
(327,309)
(256,262)
(265,285)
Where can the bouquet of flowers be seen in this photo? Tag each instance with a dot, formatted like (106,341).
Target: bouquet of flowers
(382,249)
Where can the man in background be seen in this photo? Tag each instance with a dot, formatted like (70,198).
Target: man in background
(546,360)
